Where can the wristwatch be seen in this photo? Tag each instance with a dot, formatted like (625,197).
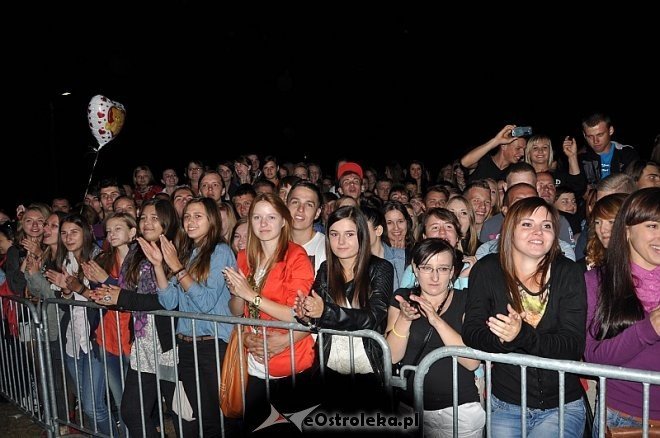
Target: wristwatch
(256,301)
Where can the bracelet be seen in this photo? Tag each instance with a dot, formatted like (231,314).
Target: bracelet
(180,274)
(175,273)
(82,289)
(398,335)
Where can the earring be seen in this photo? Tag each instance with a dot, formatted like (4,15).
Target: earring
(416,283)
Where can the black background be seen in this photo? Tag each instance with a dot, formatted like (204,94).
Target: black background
(312,85)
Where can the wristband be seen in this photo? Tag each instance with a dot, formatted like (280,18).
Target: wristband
(398,335)
(180,274)
(175,273)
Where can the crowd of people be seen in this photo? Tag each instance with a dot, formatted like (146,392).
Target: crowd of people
(512,248)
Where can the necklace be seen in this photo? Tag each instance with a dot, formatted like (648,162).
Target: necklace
(442,306)
(534,294)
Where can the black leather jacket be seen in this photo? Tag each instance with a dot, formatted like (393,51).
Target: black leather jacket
(372,317)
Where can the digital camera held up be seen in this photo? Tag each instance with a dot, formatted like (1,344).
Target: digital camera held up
(521,131)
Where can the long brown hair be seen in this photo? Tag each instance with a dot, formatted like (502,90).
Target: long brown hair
(471,238)
(618,306)
(253,249)
(522,209)
(199,267)
(361,279)
(169,221)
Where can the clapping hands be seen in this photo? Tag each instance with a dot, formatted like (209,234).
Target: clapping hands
(506,327)
(310,306)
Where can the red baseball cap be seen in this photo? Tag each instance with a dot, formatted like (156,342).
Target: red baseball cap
(351,167)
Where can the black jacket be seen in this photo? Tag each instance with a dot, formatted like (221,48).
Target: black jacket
(559,335)
(131,300)
(590,161)
(372,317)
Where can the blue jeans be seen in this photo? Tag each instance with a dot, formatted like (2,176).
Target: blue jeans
(91,389)
(505,420)
(614,419)
(115,373)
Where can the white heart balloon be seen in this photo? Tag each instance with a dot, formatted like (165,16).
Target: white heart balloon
(106,118)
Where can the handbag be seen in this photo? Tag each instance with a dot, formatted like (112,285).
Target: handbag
(233,378)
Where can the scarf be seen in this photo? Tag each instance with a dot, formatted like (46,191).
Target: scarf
(146,284)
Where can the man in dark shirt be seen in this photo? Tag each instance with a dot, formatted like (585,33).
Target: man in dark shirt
(482,164)
(603,157)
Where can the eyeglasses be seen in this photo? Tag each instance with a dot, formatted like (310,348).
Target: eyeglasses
(428,269)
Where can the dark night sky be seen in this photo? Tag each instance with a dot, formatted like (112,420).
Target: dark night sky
(318,87)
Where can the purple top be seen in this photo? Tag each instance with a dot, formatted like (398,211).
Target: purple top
(638,347)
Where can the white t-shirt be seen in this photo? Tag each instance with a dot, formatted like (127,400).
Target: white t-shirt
(316,250)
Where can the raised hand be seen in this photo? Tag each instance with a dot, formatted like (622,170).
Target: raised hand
(151,251)
(506,327)
(57,278)
(94,272)
(427,309)
(313,305)
(570,147)
(31,246)
(238,284)
(407,311)
(20,211)
(169,253)
(504,136)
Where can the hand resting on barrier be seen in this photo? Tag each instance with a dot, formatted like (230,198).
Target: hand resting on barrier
(105,295)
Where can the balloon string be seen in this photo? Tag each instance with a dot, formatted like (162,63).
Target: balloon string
(91,174)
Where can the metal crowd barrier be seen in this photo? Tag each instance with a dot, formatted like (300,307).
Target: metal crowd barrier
(602,372)
(22,363)
(91,427)
(28,374)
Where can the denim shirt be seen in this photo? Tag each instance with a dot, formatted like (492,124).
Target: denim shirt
(209,297)
(397,257)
